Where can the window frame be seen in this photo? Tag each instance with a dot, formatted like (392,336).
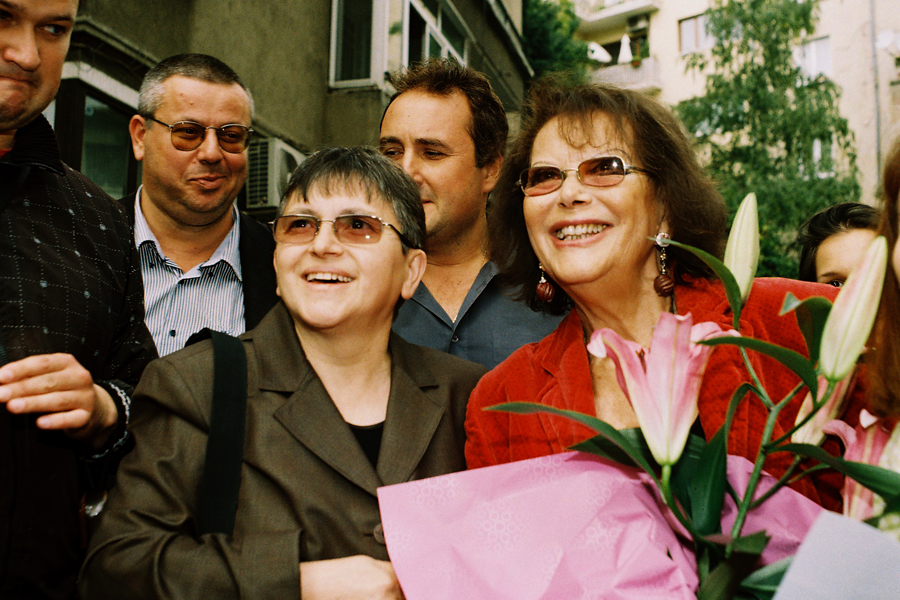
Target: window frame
(80,80)
(378,57)
(434,30)
(801,54)
(699,37)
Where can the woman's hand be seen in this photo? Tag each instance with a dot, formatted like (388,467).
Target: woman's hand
(348,578)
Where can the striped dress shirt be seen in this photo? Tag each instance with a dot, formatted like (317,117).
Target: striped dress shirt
(180,304)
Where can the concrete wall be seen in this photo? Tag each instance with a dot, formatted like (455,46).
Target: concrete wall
(280,50)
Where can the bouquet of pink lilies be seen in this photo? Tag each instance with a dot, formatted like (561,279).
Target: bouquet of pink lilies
(578,526)
(663,382)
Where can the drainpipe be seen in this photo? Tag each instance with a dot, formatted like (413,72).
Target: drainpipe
(877,99)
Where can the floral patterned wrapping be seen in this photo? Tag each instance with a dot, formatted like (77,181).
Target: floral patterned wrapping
(569,526)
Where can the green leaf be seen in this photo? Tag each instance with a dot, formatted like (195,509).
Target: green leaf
(752,544)
(601,427)
(794,361)
(732,289)
(883,482)
(724,580)
(683,471)
(762,583)
(707,489)
(601,446)
(811,316)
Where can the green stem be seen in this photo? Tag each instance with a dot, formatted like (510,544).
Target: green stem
(746,502)
(782,481)
(817,406)
(761,390)
(665,488)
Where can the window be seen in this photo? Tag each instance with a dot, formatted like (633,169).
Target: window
(434,30)
(814,57)
(358,40)
(106,148)
(693,34)
(91,123)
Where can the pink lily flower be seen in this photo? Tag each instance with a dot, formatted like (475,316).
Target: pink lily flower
(813,432)
(864,444)
(662,382)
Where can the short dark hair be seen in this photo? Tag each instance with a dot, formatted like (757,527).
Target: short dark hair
(837,218)
(694,210)
(365,170)
(884,368)
(443,76)
(196,66)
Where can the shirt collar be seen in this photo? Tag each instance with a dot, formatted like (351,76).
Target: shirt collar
(228,251)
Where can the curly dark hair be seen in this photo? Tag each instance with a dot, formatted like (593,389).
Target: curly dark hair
(442,77)
(838,218)
(884,367)
(694,210)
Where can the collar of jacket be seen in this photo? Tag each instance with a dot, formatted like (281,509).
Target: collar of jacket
(35,145)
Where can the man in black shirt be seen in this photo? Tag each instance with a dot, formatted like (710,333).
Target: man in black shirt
(72,338)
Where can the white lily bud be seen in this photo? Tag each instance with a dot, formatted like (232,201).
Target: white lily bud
(853,314)
(742,249)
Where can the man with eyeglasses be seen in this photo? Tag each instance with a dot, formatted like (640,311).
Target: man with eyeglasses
(204,264)
(72,338)
(447,129)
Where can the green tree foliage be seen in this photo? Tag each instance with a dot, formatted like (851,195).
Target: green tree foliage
(548,29)
(761,119)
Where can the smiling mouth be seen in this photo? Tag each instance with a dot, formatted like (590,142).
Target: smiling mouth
(579,232)
(328,278)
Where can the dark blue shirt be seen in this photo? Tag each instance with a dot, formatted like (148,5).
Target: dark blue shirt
(489,327)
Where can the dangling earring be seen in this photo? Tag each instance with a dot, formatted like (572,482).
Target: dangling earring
(545,290)
(664,285)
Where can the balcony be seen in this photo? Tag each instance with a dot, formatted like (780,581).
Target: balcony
(642,78)
(600,16)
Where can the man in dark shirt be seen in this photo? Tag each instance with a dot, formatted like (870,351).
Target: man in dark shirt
(446,127)
(72,338)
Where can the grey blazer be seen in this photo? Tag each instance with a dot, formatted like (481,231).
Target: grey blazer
(307,492)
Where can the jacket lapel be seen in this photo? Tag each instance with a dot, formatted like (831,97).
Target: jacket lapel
(311,417)
(412,416)
(308,414)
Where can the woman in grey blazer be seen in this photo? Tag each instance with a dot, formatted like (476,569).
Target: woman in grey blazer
(337,406)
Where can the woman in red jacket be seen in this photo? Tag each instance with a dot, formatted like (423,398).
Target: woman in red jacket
(597,174)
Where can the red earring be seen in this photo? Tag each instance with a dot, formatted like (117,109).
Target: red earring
(545,290)
(663,285)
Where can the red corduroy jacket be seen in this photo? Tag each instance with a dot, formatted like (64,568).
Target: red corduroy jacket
(556,372)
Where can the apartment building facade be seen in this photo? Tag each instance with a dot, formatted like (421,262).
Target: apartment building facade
(856,44)
(318,70)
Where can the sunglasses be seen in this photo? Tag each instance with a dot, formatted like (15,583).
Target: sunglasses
(603,171)
(188,135)
(348,229)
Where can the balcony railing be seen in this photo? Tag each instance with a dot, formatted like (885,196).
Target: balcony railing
(602,15)
(644,77)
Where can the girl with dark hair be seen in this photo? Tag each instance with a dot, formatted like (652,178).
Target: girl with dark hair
(833,240)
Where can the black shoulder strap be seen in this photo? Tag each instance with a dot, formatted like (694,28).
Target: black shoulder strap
(221,479)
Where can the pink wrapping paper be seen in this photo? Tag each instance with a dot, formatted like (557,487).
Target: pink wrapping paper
(570,526)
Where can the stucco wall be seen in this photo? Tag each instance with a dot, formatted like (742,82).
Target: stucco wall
(873,118)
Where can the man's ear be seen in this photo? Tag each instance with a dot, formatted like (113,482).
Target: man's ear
(491,174)
(277,287)
(415,264)
(137,127)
